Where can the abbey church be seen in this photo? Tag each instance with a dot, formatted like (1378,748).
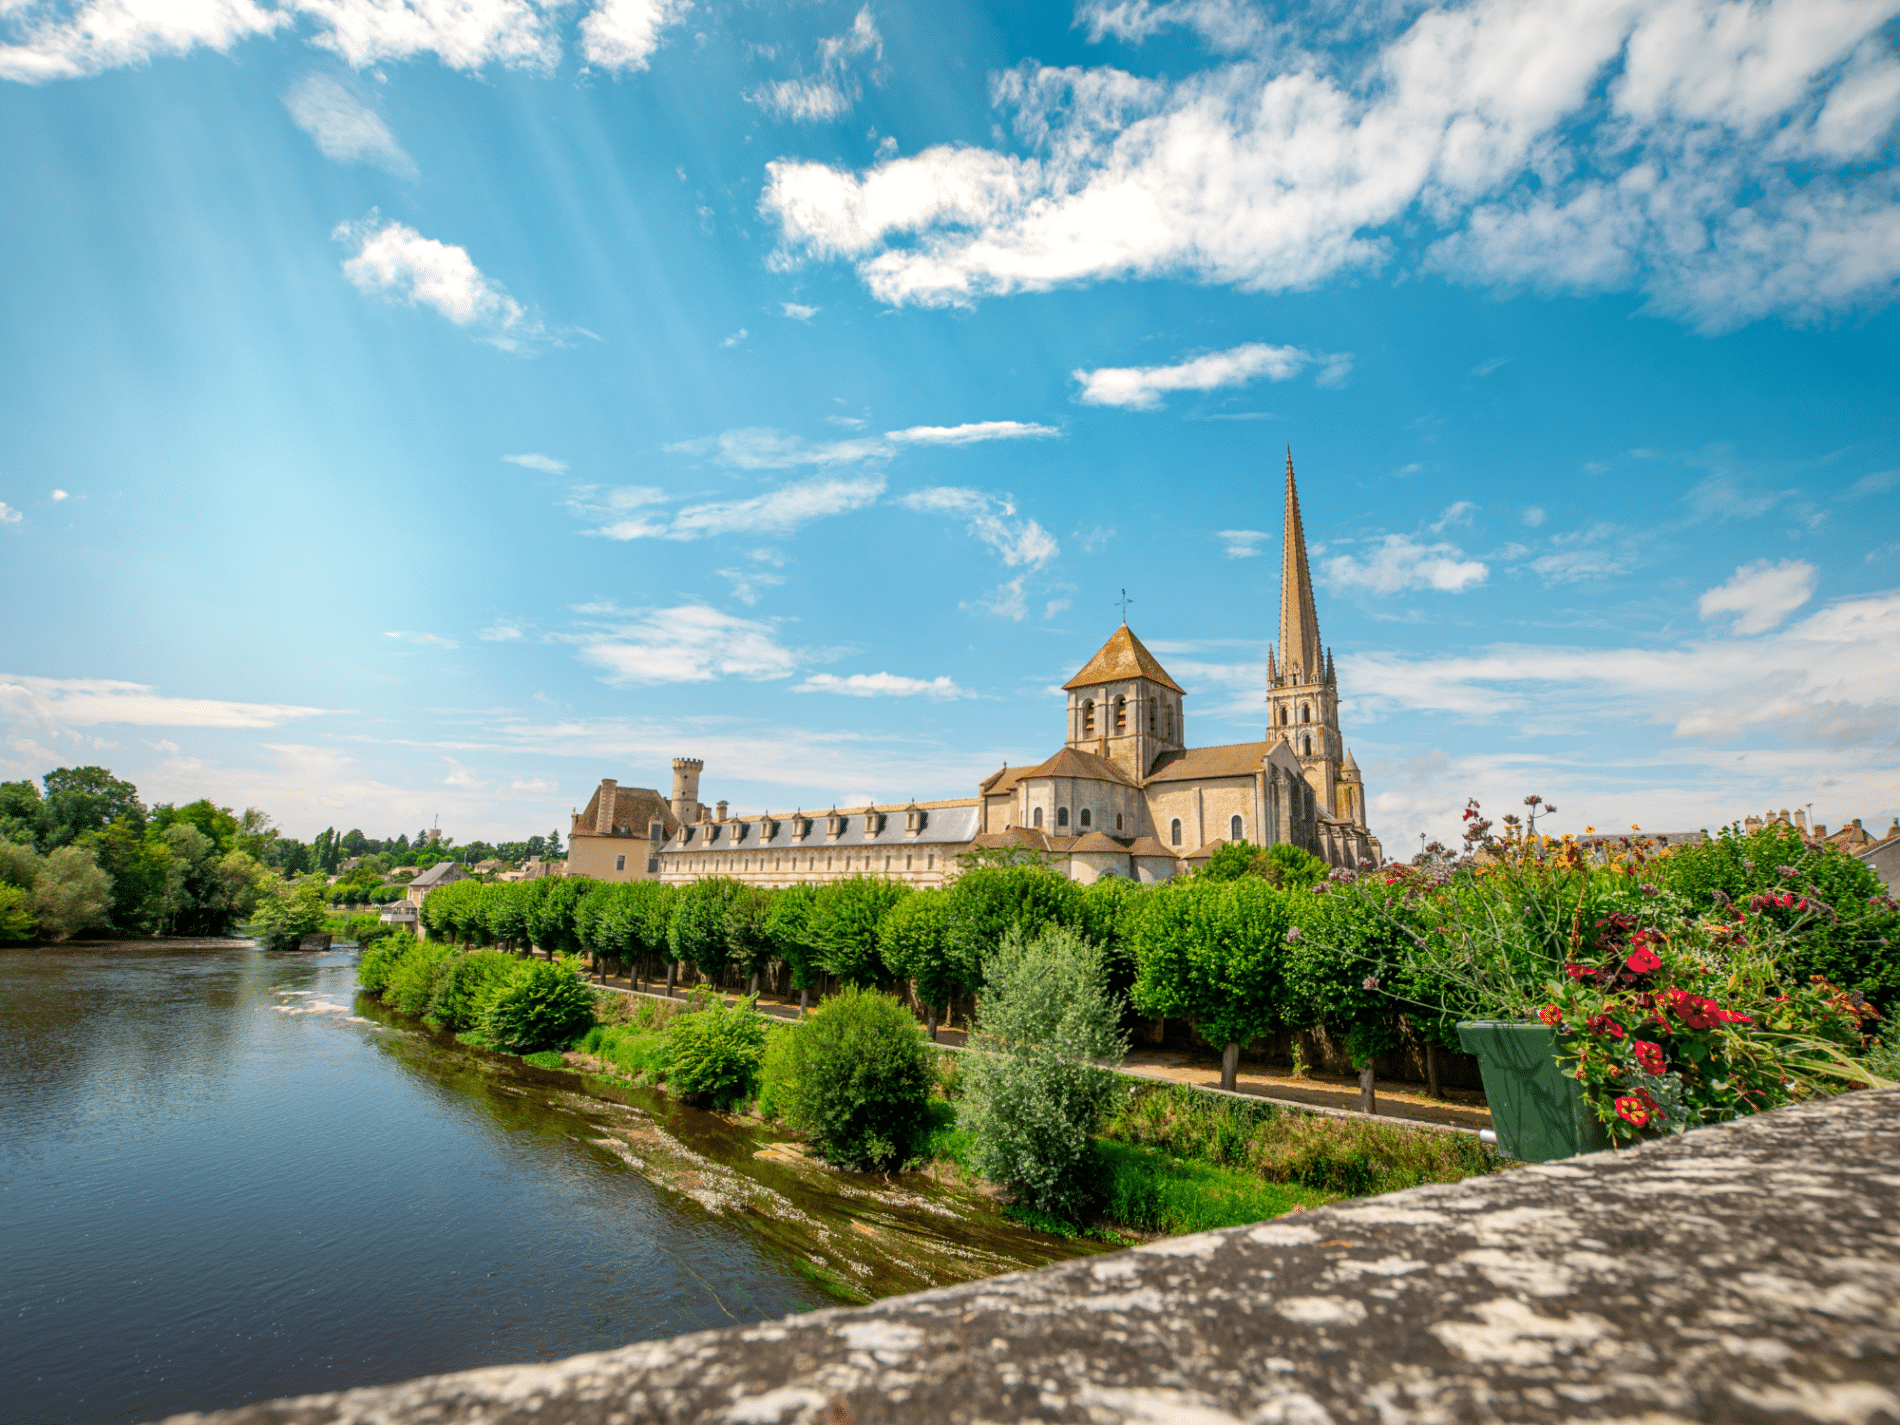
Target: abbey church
(1124,795)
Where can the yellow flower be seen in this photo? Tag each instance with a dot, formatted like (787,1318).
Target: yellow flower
(1589,829)
(1635,827)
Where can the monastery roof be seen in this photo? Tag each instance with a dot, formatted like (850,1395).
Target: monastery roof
(1095,841)
(1201,853)
(1122,657)
(1083,765)
(1148,846)
(950,823)
(1235,759)
(1002,780)
(632,807)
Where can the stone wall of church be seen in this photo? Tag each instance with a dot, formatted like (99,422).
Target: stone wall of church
(1205,810)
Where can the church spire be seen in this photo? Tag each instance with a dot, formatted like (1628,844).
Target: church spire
(1300,658)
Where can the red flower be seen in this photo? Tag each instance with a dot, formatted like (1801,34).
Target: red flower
(1633,1111)
(1551,1015)
(1650,1056)
(1579,972)
(1604,1025)
(1645,961)
(1733,1016)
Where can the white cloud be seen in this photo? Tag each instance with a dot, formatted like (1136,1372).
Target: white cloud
(1054,607)
(1008,601)
(690,644)
(882,685)
(1243,543)
(834,89)
(620,35)
(746,583)
(91,702)
(346,129)
(1398,562)
(396,262)
(9,515)
(1457,513)
(1762,594)
(1224,24)
(546,464)
(59,495)
(502,631)
(797,312)
(1533,516)
(460,776)
(1140,388)
(422,640)
(1018,541)
(735,338)
(1824,681)
(971,432)
(107,34)
(1723,158)
(780,511)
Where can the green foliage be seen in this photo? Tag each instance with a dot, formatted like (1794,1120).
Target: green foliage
(844,926)
(1213,952)
(1047,1029)
(697,933)
(375,965)
(789,923)
(19,862)
(716,1051)
(633,1051)
(1297,869)
(467,986)
(987,902)
(1150,1192)
(748,936)
(546,1059)
(1856,946)
(281,919)
(854,1078)
(1111,909)
(413,978)
(17,921)
(914,939)
(545,1007)
(1338,974)
(70,894)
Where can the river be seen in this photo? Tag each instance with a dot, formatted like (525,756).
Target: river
(226,1176)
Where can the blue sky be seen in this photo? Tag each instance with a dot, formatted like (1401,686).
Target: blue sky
(417,413)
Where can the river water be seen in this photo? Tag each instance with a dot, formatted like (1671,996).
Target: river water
(225,1176)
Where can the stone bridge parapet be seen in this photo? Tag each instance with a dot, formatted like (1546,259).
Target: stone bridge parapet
(1748,1272)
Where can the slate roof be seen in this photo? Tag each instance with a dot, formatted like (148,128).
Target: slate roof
(1122,657)
(949,823)
(442,873)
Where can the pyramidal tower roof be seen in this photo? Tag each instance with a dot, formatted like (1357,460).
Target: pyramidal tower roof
(1122,657)
(1300,657)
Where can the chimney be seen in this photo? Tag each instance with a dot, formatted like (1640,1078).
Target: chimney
(604,807)
(719,812)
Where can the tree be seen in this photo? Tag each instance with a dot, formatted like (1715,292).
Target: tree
(914,939)
(987,902)
(19,863)
(70,894)
(748,941)
(697,934)
(845,924)
(82,799)
(1047,1029)
(790,925)
(1211,952)
(21,811)
(282,919)
(17,921)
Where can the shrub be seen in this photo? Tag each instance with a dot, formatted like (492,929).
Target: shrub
(716,1051)
(412,979)
(17,921)
(777,1072)
(1214,952)
(468,985)
(987,902)
(546,1007)
(1046,1028)
(855,1079)
(697,934)
(373,969)
(281,921)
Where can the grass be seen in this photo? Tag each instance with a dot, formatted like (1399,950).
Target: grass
(546,1059)
(1145,1189)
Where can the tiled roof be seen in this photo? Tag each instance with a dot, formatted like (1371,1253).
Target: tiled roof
(1148,846)
(1122,657)
(1235,759)
(635,808)
(1003,779)
(1201,853)
(1083,765)
(1095,841)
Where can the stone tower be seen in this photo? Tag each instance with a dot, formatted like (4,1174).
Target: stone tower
(1302,688)
(1125,707)
(686,772)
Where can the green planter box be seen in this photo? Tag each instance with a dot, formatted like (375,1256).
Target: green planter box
(1537,1110)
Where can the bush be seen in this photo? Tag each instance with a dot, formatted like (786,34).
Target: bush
(1047,1028)
(17,921)
(913,939)
(281,921)
(716,1051)
(546,1007)
(855,1079)
(468,985)
(373,969)
(412,979)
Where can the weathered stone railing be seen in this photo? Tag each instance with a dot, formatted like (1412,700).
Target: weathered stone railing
(1749,1272)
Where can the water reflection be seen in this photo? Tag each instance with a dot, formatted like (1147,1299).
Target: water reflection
(210,1199)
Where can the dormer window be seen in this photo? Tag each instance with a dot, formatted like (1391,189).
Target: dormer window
(915,821)
(801,827)
(768,830)
(656,831)
(1088,716)
(873,823)
(686,835)
(712,833)
(738,832)
(834,826)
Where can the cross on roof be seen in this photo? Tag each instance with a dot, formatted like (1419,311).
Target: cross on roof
(1124,601)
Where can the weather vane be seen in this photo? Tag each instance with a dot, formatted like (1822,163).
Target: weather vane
(1124,601)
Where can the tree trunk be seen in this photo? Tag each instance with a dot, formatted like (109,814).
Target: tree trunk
(930,1021)
(1368,1103)
(672,968)
(1230,1067)
(1431,1070)
(804,998)
(754,991)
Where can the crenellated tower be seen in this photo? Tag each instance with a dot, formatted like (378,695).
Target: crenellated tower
(1302,684)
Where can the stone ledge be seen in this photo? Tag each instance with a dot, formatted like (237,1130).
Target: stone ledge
(1748,1272)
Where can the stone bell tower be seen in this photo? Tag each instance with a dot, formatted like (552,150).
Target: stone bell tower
(1302,687)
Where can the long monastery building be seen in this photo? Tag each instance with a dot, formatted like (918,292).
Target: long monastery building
(1123,796)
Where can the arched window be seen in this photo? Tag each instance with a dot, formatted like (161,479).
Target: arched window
(1236,830)
(1174,832)
(1151,717)
(1309,744)
(1035,818)
(1121,714)
(1118,821)
(1088,715)
(1062,817)
(1167,724)
(1306,713)
(1083,819)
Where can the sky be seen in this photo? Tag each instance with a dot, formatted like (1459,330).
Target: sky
(416,413)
